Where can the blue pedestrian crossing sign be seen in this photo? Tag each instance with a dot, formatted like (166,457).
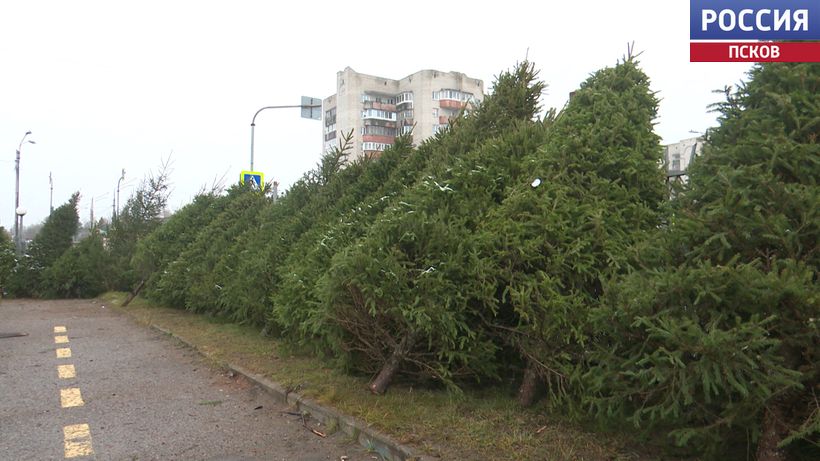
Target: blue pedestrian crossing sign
(255,178)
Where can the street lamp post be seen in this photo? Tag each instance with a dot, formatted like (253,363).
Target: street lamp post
(18,238)
(307,106)
(18,219)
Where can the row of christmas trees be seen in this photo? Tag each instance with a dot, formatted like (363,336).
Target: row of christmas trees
(548,247)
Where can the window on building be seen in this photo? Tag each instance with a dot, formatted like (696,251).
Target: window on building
(379,114)
(378,130)
(374,146)
(330,117)
(378,98)
(402,98)
(453,95)
(676,162)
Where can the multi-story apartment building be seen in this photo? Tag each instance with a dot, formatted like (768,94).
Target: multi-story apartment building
(379,109)
(677,157)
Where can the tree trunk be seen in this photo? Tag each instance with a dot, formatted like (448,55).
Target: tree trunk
(529,386)
(379,385)
(134,293)
(773,432)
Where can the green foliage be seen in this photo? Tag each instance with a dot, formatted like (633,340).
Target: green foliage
(507,242)
(157,250)
(81,272)
(7,259)
(48,245)
(565,228)
(253,273)
(415,277)
(720,333)
(345,214)
(141,214)
(191,280)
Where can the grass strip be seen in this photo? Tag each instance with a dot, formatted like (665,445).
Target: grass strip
(480,424)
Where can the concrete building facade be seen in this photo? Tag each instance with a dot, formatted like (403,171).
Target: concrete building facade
(679,155)
(378,109)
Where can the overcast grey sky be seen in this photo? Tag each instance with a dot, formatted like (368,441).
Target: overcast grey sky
(107,85)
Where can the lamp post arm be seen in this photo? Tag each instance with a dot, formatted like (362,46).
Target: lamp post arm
(253,121)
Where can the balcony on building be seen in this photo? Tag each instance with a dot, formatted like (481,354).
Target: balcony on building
(379,106)
(379,122)
(379,114)
(374,149)
(451,104)
(376,138)
(404,100)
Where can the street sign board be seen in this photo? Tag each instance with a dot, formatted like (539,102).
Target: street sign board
(255,178)
(311,108)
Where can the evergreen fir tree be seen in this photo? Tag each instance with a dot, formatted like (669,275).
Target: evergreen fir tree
(80,272)
(7,259)
(251,275)
(562,233)
(161,247)
(297,302)
(409,296)
(193,272)
(55,237)
(140,216)
(717,341)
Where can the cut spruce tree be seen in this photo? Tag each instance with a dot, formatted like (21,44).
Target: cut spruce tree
(564,230)
(249,271)
(409,296)
(717,340)
(191,278)
(363,192)
(157,250)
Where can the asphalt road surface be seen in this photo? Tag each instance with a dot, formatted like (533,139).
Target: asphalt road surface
(89,383)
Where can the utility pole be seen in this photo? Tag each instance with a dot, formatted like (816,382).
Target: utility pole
(92,213)
(50,194)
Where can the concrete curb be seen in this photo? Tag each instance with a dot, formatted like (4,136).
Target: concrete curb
(364,434)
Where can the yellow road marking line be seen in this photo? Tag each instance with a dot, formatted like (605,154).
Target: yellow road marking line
(63,353)
(59,329)
(71,397)
(77,440)
(66,371)
(60,339)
